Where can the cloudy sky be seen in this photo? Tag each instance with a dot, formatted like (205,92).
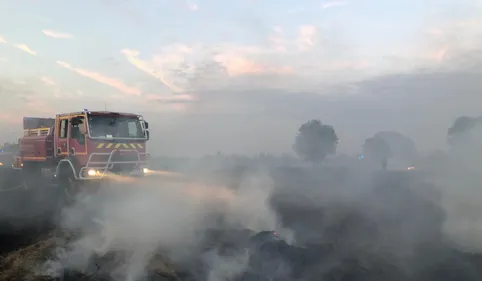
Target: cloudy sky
(242,75)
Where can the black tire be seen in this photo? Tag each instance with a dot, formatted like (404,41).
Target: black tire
(65,193)
(71,190)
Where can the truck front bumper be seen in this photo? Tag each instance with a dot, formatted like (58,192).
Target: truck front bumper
(96,174)
(137,166)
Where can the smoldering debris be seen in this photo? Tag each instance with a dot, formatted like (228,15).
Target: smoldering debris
(297,224)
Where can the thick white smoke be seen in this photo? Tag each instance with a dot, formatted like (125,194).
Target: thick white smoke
(139,220)
(459,179)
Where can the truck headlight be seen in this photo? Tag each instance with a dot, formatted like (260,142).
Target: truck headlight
(93,173)
(145,170)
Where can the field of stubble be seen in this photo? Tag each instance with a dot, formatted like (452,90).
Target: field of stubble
(344,226)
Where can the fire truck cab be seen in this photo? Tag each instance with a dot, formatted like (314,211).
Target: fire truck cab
(85,146)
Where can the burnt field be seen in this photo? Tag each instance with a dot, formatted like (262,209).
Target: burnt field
(330,223)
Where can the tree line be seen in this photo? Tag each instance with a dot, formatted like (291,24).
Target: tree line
(316,140)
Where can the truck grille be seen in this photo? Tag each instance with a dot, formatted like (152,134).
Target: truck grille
(115,165)
(123,156)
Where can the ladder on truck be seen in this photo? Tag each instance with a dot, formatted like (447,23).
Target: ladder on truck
(39,132)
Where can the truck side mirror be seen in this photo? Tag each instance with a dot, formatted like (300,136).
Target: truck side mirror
(147,135)
(146,125)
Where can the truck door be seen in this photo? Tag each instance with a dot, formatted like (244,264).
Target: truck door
(78,136)
(62,133)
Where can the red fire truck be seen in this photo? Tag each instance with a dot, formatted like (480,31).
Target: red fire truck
(75,151)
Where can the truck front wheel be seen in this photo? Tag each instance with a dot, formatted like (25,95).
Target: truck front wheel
(71,189)
(67,191)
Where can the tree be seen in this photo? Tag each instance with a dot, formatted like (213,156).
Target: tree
(463,131)
(315,141)
(403,151)
(462,125)
(377,150)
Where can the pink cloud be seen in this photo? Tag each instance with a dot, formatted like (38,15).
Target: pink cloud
(22,47)
(307,36)
(112,82)
(25,48)
(57,35)
(238,65)
(149,68)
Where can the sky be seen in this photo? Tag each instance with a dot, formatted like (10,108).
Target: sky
(241,76)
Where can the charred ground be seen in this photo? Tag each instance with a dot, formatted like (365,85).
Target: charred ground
(344,225)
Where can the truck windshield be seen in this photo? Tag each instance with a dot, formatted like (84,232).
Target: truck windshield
(108,126)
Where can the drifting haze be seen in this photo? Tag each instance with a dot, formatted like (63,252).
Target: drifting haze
(208,73)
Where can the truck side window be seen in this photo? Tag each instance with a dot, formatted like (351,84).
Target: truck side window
(78,131)
(82,128)
(63,129)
